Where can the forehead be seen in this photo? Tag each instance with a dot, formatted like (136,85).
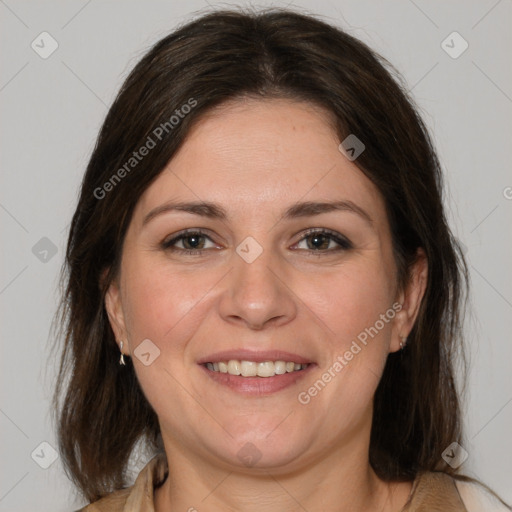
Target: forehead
(262,154)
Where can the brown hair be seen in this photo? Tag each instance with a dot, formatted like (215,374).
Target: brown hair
(222,56)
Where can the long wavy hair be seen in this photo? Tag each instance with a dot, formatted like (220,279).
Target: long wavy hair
(99,408)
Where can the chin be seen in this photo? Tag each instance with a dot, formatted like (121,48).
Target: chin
(261,450)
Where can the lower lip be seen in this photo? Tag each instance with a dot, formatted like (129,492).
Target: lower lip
(258,386)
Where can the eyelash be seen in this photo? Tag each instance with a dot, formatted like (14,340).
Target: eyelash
(344,243)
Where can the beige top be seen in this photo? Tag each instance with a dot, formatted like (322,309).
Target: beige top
(431,492)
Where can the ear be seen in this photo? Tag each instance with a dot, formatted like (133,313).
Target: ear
(114,307)
(410,298)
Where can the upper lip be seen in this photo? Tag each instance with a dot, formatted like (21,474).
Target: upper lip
(252,355)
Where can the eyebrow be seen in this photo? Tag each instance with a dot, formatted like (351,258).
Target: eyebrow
(297,210)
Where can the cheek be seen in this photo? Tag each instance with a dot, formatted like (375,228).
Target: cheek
(355,306)
(351,299)
(163,302)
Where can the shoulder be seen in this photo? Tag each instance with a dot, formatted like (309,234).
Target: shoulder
(114,502)
(439,492)
(478,498)
(137,497)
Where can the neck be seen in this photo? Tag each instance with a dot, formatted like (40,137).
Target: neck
(340,480)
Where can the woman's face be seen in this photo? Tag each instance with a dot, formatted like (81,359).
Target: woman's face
(276,274)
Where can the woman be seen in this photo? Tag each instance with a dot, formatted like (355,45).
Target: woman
(262,286)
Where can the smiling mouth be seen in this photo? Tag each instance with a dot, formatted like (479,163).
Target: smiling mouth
(256,369)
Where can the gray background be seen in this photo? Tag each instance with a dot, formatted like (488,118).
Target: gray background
(51,112)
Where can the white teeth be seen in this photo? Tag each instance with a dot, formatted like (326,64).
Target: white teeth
(249,369)
(234,367)
(280,367)
(253,369)
(266,369)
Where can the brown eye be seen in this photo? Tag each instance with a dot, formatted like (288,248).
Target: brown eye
(192,242)
(318,241)
(324,241)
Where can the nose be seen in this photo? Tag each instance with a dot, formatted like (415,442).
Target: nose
(258,294)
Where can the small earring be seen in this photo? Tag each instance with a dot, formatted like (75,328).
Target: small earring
(403,342)
(121,360)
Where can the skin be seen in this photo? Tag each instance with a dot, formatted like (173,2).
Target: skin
(255,158)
